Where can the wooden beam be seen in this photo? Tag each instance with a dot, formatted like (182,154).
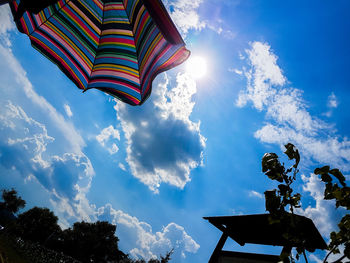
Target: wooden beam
(215,256)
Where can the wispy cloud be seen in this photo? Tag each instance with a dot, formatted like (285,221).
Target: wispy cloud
(49,151)
(148,244)
(288,120)
(68,110)
(287,117)
(6,24)
(332,103)
(237,71)
(255,194)
(163,144)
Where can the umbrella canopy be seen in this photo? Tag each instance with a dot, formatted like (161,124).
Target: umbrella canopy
(115,46)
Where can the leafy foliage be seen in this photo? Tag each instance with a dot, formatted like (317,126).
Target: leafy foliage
(341,195)
(36,235)
(12,202)
(91,242)
(36,224)
(278,199)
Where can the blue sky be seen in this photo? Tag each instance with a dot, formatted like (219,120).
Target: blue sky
(277,72)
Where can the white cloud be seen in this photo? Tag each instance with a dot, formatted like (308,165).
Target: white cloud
(323,213)
(122,166)
(184,14)
(264,73)
(104,138)
(163,144)
(27,149)
(68,110)
(332,103)
(286,111)
(15,81)
(6,24)
(23,148)
(255,194)
(48,152)
(288,120)
(25,134)
(148,244)
(237,71)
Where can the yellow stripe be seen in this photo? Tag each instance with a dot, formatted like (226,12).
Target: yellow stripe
(118,43)
(89,22)
(120,68)
(79,26)
(142,9)
(72,44)
(150,49)
(116,32)
(66,65)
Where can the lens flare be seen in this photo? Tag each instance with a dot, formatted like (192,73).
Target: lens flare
(196,66)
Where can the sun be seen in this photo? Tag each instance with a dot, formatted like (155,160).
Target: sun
(196,66)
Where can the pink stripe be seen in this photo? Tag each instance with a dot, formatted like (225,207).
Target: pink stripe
(116,74)
(60,40)
(145,46)
(77,20)
(99,81)
(86,18)
(139,28)
(58,57)
(158,47)
(117,40)
(58,22)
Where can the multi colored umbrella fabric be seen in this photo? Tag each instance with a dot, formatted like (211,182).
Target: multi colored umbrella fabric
(115,46)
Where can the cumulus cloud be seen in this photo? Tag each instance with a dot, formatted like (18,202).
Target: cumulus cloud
(23,146)
(163,144)
(68,110)
(288,118)
(105,138)
(323,213)
(149,244)
(28,148)
(184,14)
(48,152)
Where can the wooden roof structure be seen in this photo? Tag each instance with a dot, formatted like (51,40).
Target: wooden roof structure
(291,231)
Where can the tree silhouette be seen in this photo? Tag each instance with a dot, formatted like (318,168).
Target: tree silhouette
(36,224)
(92,242)
(12,202)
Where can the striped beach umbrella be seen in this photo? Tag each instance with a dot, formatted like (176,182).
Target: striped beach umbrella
(115,46)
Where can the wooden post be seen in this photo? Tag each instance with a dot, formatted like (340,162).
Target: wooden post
(286,253)
(214,257)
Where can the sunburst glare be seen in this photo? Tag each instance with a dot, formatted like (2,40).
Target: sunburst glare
(196,66)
